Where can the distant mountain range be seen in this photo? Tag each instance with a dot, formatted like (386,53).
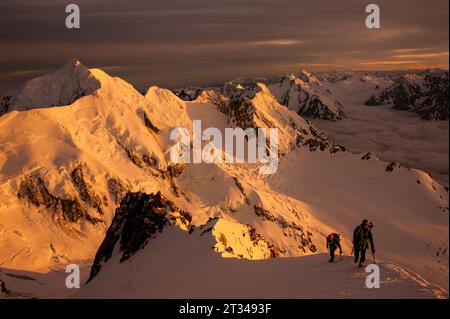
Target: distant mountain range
(426,95)
(424,92)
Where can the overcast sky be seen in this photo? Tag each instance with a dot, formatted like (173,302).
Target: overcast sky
(174,43)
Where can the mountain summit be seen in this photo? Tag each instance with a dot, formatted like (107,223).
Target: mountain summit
(306,95)
(60,88)
(425,95)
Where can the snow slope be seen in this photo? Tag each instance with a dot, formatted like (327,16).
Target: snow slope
(198,272)
(62,181)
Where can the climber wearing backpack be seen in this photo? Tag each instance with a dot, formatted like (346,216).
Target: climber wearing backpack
(333,242)
(362,236)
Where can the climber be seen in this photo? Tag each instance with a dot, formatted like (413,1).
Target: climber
(362,236)
(333,242)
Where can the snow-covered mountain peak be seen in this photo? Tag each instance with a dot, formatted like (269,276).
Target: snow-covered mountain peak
(426,95)
(63,87)
(307,77)
(73,64)
(305,94)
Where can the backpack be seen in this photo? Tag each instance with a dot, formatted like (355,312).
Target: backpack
(334,239)
(337,238)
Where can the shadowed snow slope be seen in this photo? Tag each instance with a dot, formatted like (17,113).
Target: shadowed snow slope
(190,269)
(67,172)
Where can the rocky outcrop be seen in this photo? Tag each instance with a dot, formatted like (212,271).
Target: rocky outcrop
(402,94)
(242,190)
(426,95)
(116,189)
(138,220)
(5,104)
(175,169)
(391,166)
(149,124)
(237,105)
(315,140)
(435,104)
(3,290)
(367,156)
(256,239)
(236,102)
(242,241)
(85,191)
(143,161)
(33,190)
(188,94)
(302,236)
(306,95)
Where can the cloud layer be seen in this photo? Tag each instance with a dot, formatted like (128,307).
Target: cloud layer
(175,43)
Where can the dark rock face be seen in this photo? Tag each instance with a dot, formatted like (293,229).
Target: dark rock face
(116,189)
(188,94)
(391,166)
(149,124)
(429,100)
(309,102)
(402,94)
(241,112)
(337,148)
(234,90)
(318,141)
(33,190)
(242,190)
(435,105)
(3,289)
(4,104)
(87,195)
(313,107)
(238,105)
(367,156)
(143,161)
(138,219)
(175,170)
